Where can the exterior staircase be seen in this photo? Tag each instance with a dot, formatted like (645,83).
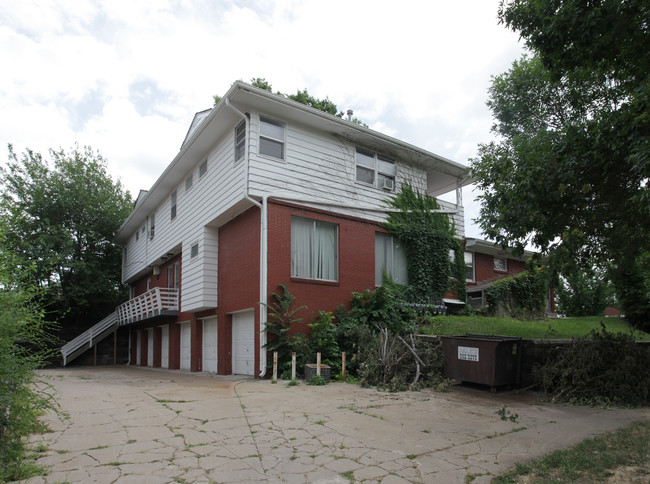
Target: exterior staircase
(88,338)
(159,301)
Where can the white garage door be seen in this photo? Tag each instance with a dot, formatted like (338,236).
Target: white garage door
(243,343)
(186,345)
(150,347)
(164,346)
(210,345)
(138,348)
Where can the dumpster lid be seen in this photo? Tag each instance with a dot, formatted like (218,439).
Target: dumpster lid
(483,337)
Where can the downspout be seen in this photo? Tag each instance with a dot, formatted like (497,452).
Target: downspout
(263,243)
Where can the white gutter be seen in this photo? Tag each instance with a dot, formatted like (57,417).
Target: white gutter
(263,244)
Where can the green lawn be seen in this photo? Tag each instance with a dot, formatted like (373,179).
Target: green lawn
(549,328)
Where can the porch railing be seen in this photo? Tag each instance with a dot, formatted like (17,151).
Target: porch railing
(155,302)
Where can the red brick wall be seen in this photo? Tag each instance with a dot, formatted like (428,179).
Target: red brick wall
(238,280)
(484,268)
(356,260)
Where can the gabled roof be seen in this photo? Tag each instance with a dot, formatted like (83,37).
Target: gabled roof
(210,124)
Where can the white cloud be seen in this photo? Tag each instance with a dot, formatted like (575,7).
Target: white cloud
(126,77)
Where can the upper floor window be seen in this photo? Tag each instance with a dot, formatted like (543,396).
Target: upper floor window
(500,264)
(271,138)
(314,249)
(173,205)
(203,169)
(194,250)
(189,181)
(152,225)
(469,266)
(240,140)
(375,170)
(390,258)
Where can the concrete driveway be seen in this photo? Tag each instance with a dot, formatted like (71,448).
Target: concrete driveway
(144,425)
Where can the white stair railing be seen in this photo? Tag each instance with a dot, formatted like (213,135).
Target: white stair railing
(89,337)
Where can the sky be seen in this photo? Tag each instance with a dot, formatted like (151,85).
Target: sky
(127,76)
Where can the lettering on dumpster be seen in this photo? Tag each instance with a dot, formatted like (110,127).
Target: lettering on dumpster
(467,353)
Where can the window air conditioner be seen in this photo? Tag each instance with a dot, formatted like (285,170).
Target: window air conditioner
(386,184)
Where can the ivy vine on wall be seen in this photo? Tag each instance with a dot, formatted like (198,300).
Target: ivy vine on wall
(428,238)
(522,295)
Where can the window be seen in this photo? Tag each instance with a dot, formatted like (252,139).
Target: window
(173,276)
(152,225)
(469,266)
(271,138)
(240,140)
(389,258)
(137,235)
(143,230)
(189,181)
(194,251)
(203,169)
(314,249)
(375,170)
(173,205)
(500,264)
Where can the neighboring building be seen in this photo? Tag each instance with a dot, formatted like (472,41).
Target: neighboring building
(264,191)
(486,263)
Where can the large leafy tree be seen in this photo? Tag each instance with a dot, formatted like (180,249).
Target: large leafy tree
(60,218)
(570,167)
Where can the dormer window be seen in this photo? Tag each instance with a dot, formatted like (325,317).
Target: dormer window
(375,170)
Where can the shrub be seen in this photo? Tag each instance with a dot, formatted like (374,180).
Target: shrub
(608,368)
(520,296)
(23,339)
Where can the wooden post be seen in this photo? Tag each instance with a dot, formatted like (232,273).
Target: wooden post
(318,363)
(95,355)
(115,347)
(293,365)
(343,365)
(275,366)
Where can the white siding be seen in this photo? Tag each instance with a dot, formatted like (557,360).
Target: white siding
(319,166)
(210,196)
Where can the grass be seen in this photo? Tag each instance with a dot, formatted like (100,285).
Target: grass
(593,460)
(546,329)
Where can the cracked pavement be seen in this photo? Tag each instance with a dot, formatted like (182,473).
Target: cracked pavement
(144,425)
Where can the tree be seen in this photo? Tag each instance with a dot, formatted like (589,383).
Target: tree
(569,172)
(302,97)
(61,218)
(584,291)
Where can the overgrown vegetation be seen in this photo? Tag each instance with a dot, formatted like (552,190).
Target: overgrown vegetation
(521,295)
(593,460)
(23,338)
(604,369)
(428,238)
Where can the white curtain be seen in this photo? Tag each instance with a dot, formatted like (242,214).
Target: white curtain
(313,249)
(390,258)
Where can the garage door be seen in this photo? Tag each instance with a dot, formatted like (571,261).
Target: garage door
(186,345)
(138,348)
(164,346)
(150,347)
(243,343)
(210,345)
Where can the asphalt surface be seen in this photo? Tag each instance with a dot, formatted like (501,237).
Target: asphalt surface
(129,424)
